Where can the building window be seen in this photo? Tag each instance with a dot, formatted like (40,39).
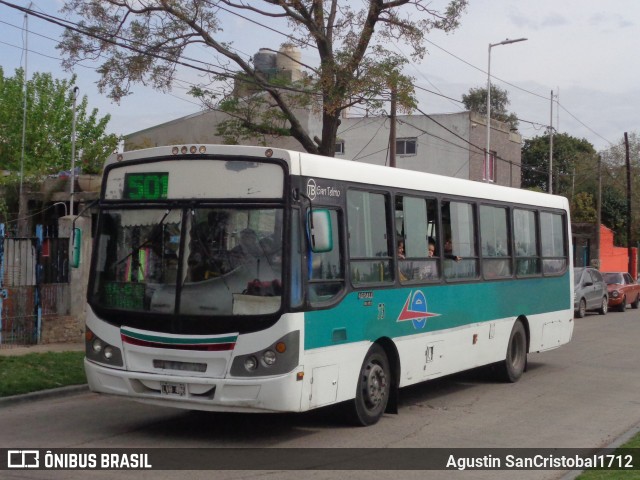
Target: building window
(340,147)
(406,146)
(489,167)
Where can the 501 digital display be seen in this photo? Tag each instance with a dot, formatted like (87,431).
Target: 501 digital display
(146,186)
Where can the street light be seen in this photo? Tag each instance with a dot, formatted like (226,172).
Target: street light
(488,152)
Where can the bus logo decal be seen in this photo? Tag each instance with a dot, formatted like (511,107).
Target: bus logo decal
(311,189)
(415,310)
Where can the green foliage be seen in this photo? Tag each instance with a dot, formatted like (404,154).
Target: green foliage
(570,156)
(48,131)
(614,178)
(353,61)
(476,101)
(40,371)
(583,208)
(614,213)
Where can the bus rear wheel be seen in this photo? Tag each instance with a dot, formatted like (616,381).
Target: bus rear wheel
(516,358)
(374,383)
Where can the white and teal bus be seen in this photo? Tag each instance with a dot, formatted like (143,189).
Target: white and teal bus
(249,279)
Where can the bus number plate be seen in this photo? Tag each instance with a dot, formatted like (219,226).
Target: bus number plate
(173,389)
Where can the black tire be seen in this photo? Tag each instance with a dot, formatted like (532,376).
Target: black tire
(623,306)
(516,358)
(372,391)
(636,303)
(582,308)
(604,308)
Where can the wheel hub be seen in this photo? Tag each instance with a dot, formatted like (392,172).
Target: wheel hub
(375,385)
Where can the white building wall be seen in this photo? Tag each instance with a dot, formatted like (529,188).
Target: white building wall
(201,127)
(444,141)
(442,147)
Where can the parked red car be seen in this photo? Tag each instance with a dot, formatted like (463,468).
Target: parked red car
(623,290)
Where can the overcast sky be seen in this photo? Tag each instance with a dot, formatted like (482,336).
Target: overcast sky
(583,50)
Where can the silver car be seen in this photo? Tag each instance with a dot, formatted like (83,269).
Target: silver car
(590,291)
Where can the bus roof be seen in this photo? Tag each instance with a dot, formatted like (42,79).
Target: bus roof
(309,165)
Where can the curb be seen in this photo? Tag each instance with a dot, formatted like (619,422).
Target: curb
(618,442)
(43,394)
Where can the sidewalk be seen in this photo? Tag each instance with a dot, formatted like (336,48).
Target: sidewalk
(13,351)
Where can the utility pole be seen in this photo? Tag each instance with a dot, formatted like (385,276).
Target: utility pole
(392,128)
(24,106)
(551,146)
(599,211)
(72,178)
(628,161)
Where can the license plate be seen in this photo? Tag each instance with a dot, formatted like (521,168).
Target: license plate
(173,389)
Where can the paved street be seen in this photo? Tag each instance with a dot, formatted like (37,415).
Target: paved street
(586,394)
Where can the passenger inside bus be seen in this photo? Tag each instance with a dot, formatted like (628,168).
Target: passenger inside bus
(431,249)
(448,251)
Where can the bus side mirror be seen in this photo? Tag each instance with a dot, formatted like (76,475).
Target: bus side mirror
(320,231)
(75,253)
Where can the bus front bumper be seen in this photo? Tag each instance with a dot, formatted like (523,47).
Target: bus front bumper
(263,394)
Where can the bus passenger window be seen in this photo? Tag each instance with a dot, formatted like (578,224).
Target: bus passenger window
(460,251)
(554,255)
(526,243)
(496,255)
(369,234)
(416,228)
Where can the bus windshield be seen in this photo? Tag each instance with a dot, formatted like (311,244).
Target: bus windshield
(196,261)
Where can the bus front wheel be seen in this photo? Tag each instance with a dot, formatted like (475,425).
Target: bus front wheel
(374,383)
(516,358)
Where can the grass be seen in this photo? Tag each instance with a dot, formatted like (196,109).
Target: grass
(40,371)
(634,443)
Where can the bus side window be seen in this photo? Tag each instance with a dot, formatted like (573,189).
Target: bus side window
(369,238)
(296,260)
(416,221)
(494,232)
(553,240)
(326,272)
(459,250)
(525,234)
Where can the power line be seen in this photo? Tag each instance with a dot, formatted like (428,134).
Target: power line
(130,45)
(226,73)
(583,124)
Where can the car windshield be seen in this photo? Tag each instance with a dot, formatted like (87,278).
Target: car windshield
(577,275)
(611,278)
(196,261)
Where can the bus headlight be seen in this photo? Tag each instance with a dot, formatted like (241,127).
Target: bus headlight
(99,351)
(269,358)
(97,345)
(282,356)
(251,363)
(108,353)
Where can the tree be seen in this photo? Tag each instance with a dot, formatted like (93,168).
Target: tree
(48,130)
(145,42)
(571,156)
(476,101)
(583,208)
(614,213)
(615,187)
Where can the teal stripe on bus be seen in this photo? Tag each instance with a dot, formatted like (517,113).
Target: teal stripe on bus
(369,315)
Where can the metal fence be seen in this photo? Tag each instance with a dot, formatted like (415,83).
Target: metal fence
(34,284)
